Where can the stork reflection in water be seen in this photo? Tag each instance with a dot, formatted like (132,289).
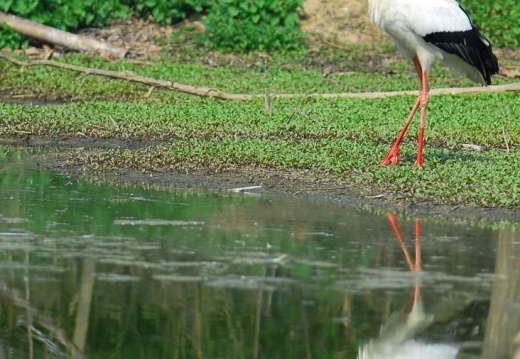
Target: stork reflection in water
(396,340)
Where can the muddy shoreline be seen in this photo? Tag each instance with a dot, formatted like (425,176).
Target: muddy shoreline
(51,154)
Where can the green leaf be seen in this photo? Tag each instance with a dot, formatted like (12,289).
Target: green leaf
(5,5)
(233,11)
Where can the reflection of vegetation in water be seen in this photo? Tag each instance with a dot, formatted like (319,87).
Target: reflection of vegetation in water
(177,318)
(58,203)
(503,321)
(152,318)
(199,308)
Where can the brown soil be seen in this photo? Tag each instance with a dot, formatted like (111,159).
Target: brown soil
(345,21)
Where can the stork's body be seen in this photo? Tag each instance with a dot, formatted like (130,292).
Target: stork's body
(429,30)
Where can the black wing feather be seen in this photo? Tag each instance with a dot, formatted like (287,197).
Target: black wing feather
(470,46)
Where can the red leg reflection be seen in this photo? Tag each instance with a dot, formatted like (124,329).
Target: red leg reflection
(415,266)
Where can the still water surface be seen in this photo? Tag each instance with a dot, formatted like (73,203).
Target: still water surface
(93,271)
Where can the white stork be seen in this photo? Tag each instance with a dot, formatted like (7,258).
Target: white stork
(429,30)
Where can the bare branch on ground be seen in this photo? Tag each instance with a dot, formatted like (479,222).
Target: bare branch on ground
(215,93)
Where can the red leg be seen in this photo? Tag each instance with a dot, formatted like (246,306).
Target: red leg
(417,245)
(417,286)
(418,68)
(415,266)
(422,101)
(393,222)
(393,155)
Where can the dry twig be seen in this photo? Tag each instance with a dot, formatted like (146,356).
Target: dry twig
(505,138)
(215,93)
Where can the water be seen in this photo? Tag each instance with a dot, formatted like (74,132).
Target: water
(95,271)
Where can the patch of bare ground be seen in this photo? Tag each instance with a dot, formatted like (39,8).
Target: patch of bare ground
(141,37)
(344,21)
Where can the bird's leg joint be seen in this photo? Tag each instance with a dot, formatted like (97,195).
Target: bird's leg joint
(425,90)
(423,98)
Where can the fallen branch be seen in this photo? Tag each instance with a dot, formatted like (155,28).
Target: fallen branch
(66,39)
(215,93)
(129,76)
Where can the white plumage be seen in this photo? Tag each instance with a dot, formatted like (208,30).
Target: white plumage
(396,338)
(410,350)
(426,31)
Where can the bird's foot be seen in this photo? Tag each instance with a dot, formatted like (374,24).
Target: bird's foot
(392,157)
